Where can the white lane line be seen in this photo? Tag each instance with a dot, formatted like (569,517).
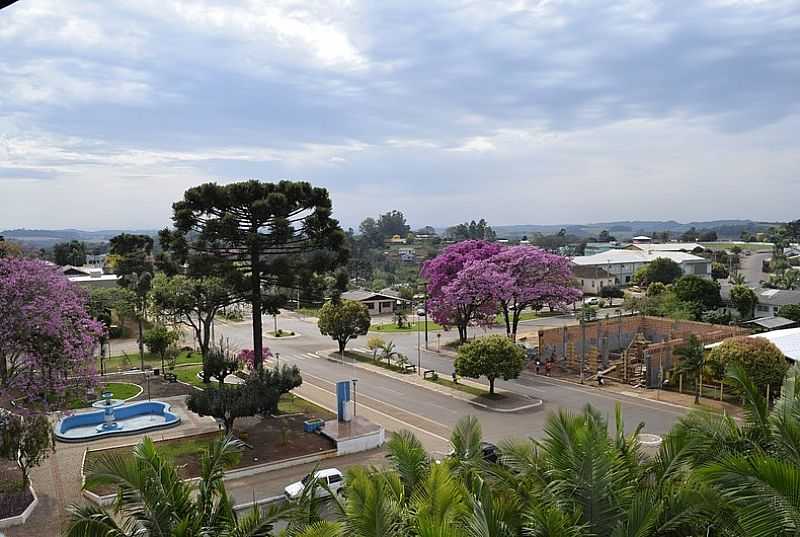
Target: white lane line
(393,418)
(362,396)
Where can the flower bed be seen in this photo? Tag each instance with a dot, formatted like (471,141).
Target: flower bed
(15,497)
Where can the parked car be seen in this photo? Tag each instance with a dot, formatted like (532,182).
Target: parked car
(489,452)
(331,477)
(592,301)
(421,312)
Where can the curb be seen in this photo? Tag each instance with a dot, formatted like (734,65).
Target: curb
(447,392)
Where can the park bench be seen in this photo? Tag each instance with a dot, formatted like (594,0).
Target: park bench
(170,377)
(430,373)
(409,368)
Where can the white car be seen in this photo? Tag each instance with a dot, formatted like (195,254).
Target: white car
(592,301)
(331,477)
(421,312)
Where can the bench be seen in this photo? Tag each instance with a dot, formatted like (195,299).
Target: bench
(409,368)
(430,374)
(170,377)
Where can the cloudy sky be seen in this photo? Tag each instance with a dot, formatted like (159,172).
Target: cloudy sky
(518,111)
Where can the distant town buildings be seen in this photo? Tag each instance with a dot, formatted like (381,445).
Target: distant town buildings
(622,264)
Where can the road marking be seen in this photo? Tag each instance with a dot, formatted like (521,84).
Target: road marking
(393,418)
(363,396)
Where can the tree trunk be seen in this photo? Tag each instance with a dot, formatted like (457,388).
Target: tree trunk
(697,388)
(462,333)
(342,344)
(204,339)
(228,425)
(141,341)
(515,324)
(3,370)
(255,303)
(507,319)
(491,385)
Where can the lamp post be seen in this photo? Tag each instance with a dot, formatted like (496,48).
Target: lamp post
(419,350)
(438,341)
(277,360)
(147,379)
(355,381)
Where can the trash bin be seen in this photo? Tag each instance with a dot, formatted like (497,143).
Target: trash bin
(156,372)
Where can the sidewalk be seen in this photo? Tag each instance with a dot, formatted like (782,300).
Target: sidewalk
(681,400)
(511,402)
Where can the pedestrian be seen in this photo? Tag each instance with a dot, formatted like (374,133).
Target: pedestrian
(599,378)
(547,367)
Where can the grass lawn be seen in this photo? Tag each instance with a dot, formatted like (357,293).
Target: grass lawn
(410,327)
(752,246)
(291,404)
(121,390)
(188,374)
(367,358)
(121,362)
(308,312)
(466,388)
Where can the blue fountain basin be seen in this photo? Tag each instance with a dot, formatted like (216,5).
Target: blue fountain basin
(131,418)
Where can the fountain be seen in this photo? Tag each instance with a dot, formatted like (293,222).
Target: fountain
(108,404)
(115,417)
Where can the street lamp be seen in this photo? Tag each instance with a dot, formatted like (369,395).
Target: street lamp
(147,379)
(355,381)
(438,341)
(277,359)
(419,351)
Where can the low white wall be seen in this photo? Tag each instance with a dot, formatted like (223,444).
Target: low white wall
(361,443)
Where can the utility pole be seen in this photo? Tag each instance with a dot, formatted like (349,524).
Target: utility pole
(583,343)
(419,350)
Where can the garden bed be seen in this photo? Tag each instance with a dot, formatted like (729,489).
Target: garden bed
(124,362)
(14,496)
(367,359)
(268,440)
(470,389)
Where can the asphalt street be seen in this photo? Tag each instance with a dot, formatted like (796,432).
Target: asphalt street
(430,414)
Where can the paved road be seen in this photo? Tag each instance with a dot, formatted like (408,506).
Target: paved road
(750,267)
(432,415)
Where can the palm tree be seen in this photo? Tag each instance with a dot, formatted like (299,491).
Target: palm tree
(693,362)
(153,501)
(737,279)
(752,467)
(388,350)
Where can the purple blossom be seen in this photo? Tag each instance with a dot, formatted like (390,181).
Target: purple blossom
(47,339)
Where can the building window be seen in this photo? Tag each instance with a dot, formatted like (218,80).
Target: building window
(627,279)
(582,283)
(370,305)
(763,308)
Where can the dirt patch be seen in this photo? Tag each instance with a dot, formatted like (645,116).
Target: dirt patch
(14,497)
(268,440)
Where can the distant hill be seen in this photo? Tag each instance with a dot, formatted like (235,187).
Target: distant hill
(43,238)
(622,230)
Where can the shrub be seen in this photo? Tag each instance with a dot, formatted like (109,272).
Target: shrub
(761,359)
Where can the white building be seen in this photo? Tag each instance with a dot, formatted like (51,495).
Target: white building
(592,278)
(622,264)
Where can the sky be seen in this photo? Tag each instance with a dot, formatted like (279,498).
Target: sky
(516,111)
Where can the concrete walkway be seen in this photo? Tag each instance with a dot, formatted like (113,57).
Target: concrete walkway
(58,480)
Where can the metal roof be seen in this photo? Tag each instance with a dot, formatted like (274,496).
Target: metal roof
(772,322)
(634,256)
(788,341)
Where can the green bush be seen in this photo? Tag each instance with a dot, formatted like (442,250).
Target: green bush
(761,359)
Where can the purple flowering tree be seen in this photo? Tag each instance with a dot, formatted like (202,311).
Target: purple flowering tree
(459,293)
(526,276)
(47,338)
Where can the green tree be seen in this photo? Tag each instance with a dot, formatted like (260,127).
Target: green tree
(611,292)
(763,362)
(491,356)
(480,230)
(69,253)
(693,362)
(703,293)
(375,344)
(262,238)
(154,501)
(790,311)
(267,386)
(224,403)
(28,440)
(135,268)
(193,302)
(159,340)
(661,269)
(393,223)
(744,300)
(343,320)
(719,271)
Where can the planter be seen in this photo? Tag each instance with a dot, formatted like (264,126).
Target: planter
(23,517)
(312,426)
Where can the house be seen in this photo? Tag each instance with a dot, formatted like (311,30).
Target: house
(592,278)
(396,239)
(769,300)
(622,264)
(592,248)
(377,303)
(407,254)
(689,247)
(765,324)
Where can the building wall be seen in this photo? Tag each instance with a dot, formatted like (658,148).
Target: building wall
(592,286)
(376,307)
